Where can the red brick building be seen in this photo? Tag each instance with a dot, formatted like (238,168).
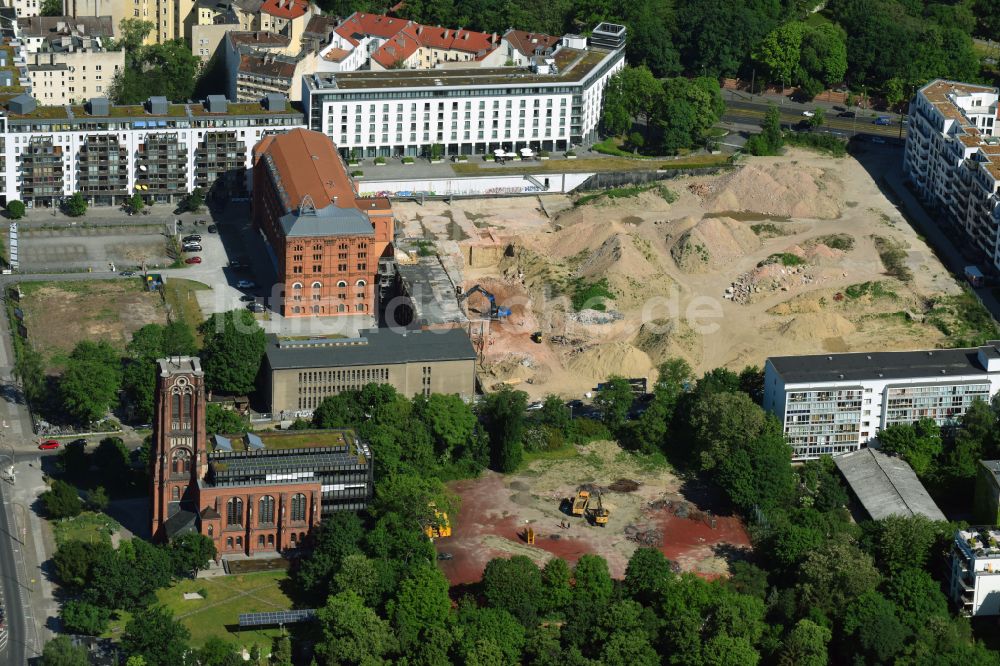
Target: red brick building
(252,493)
(326,239)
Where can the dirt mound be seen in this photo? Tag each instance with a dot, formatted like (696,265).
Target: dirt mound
(613,358)
(713,241)
(624,486)
(779,189)
(815,326)
(629,264)
(663,339)
(816,253)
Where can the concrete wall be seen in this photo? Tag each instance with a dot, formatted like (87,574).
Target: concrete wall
(475,186)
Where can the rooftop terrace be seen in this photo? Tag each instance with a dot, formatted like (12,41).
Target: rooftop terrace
(981,541)
(78,113)
(288,441)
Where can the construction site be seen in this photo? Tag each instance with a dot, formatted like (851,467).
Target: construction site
(802,253)
(600,501)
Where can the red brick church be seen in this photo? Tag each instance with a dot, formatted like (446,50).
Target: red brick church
(251,493)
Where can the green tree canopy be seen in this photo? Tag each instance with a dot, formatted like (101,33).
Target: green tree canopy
(515,585)
(61,501)
(15,209)
(503,412)
(60,651)
(156,636)
(234,347)
(352,632)
(89,386)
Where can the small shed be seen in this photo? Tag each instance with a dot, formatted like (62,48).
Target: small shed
(157,106)
(275,102)
(22,104)
(99,106)
(254,442)
(216,104)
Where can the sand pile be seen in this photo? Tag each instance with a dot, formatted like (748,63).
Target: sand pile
(779,189)
(712,241)
(813,326)
(614,358)
(624,260)
(663,339)
(816,253)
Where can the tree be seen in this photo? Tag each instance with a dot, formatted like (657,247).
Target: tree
(360,575)
(80,617)
(646,575)
(498,629)
(554,413)
(234,346)
(805,645)
(73,460)
(780,50)
(421,606)
(918,597)
(822,55)
(15,209)
(132,33)
(217,652)
(336,538)
(156,636)
(113,461)
(75,560)
(352,632)
(193,201)
(222,421)
(721,423)
(758,471)
(770,140)
(29,368)
(556,590)
(452,426)
(504,415)
(51,8)
(898,543)
(834,574)
(614,399)
(281,652)
(75,205)
(90,384)
(136,203)
(190,553)
(61,501)
(872,629)
(178,339)
(97,499)
(514,585)
(918,444)
(60,651)
(167,69)
(817,118)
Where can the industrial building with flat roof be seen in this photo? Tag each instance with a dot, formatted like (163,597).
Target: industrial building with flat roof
(325,241)
(251,493)
(299,374)
(886,486)
(836,403)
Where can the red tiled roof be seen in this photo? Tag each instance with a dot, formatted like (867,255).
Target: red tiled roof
(370,24)
(403,37)
(286,9)
(308,165)
(528,42)
(458,40)
(400,47)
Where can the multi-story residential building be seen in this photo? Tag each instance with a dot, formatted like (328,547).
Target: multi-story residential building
(169,17)
(36,32)
(974,576)
(470,110)
(288,18)
(298,374)
(325,240)
(160,150)
(71,69)
(952,158)
(830,404)
(250,493)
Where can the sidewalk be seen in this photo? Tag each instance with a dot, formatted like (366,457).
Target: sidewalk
(786,102)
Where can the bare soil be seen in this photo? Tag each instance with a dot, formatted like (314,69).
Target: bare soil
(772,248)
(496,510)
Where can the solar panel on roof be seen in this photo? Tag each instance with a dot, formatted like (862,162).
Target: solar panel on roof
(274,618)
(254,441)
(222,443)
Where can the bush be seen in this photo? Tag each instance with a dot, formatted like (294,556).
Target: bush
(783,258)
(590,294)
(61,501)
(570,153)
(893,258)
(357,172)
(379,160)
(75,206)
(820,142)
(408,160)
(757,145)
(543,153)
(15,209)
(80,617)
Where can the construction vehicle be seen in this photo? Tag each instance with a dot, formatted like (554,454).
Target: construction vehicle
(437,527)
(529,535)
(536,337)
(599,514)
(580,503)
(497,312)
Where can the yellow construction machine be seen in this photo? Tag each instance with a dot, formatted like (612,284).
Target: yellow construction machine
(580,503)
(599,513)
(437,527)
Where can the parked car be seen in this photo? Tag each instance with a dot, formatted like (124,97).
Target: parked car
(246,284)
(192,247)
(883,120)
(846,114)
(808,114)
(193,260)
(193,238)
(256,307)
(127,273)
(248,298)
(212,229)
(48,445)
(81,440)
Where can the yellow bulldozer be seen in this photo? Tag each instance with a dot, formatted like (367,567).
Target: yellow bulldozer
(437,527)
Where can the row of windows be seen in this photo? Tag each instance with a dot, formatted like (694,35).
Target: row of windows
(265,510)
(327,376)
(321,309)
(262,541)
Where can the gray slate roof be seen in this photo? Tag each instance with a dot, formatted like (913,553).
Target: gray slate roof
(877,365)
(376,347)
(329,221)
(885,485)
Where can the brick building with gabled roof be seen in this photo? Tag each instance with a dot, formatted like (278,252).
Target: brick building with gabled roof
(326,240)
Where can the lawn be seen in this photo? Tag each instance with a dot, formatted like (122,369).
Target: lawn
(590,164)
(89,527)
(60,314)
(218,613)
(182,300)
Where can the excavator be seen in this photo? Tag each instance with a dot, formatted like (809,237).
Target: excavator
(497,312)
(439,527)
(599,513)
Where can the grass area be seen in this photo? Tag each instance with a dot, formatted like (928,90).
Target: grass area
(590,295)
(182,301)
(590,164)
(963,319)
(218,613)
(876,290)
(827,144)
(893,257)
(89,526)
(783,258)
(613,146)
(565,453)
(842,242)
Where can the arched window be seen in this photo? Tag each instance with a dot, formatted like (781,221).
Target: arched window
(299,507)
(315,309)
(317,285)
(234,511)
(176,493)
(294,537)
(341,308)
(270,540)
(265,514)
(239,542)
(361,283)
(180,462)
(342,283)
(229,543)
(260,541)
(211,530)
(297,286)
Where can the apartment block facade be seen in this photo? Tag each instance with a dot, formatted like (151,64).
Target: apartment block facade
(952,158)
(831,404)
(159,150)
(974,575)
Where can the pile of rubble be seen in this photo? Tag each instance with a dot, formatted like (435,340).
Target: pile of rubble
(765,279)
(596,316)
(624,486)
(683,509)
(644,536)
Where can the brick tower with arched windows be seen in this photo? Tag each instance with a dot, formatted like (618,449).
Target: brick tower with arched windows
(178,456)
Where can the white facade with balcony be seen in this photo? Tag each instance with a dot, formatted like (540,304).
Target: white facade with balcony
(974,575)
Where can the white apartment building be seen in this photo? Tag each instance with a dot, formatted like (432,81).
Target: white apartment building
(159,150)
(835,403)
(974,576)
(554,104)
(952,158)
(72,69)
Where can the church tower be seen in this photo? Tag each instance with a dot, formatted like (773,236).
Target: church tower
(177,457)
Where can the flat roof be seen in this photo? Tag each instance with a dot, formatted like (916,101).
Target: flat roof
(380,346)
(860,366)
(285,441)
(573,66)
(885,485)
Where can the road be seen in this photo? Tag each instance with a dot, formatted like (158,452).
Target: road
(752,112)
(12,586)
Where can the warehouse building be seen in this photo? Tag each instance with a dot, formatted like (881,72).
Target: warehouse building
(836,403)
(884,485)
(298,374)
(251,493)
